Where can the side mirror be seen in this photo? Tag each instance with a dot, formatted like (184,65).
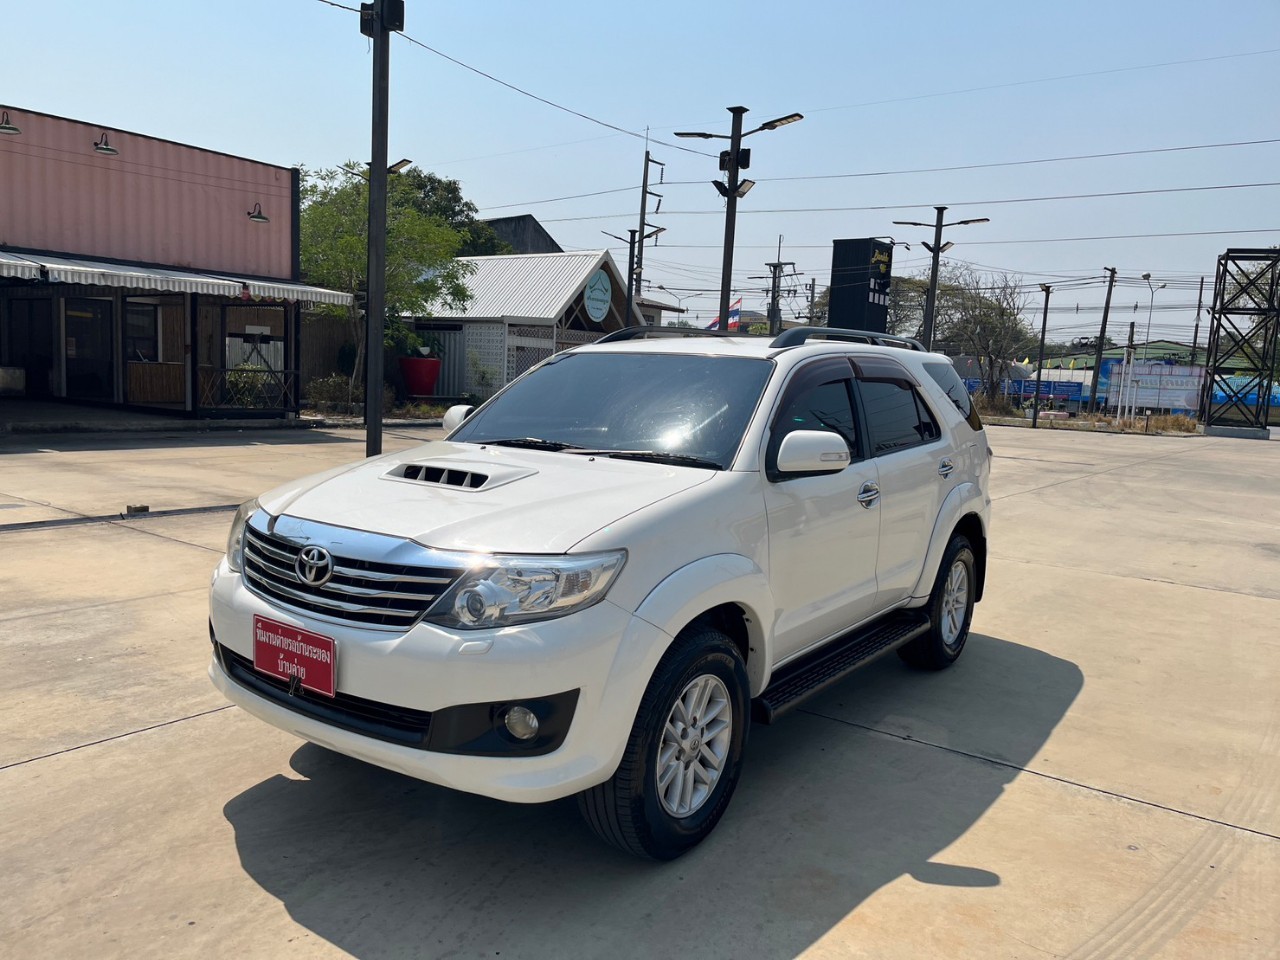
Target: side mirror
(812,451)
(454,416)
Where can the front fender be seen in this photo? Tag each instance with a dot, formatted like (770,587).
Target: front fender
(697,587)
(964,498)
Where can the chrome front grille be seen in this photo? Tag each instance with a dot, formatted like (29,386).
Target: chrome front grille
(361,591)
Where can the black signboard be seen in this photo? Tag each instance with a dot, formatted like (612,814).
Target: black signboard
(861,271)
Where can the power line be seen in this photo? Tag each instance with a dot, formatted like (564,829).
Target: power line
(549,103)
(526,93)
(955,203)
(1121,236)
(894,173)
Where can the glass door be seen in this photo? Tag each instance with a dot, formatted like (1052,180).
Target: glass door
(87,343)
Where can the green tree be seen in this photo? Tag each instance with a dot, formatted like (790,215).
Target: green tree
(421,250)
(442,198)
(980,316)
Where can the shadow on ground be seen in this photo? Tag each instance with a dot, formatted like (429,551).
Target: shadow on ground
(828,811)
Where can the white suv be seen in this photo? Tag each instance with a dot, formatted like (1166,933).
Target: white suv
(605,573)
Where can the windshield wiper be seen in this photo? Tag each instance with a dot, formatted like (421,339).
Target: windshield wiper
(532,443)
(657,456)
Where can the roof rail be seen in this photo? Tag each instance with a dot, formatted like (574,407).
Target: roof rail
(798,335)
(639,332)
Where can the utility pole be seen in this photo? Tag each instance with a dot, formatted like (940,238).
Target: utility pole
(775,291)
(632,270)
(813,286)
(1044,331)
(1195,337)
(645,193)
(1102,341)
(377,21)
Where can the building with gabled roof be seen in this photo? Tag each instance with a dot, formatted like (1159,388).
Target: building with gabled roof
(524,308)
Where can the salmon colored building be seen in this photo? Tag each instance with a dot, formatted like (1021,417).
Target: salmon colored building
(140,272)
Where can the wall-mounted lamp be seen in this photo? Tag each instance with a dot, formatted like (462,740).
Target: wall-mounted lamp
(257,216)
(6,127)
(102,146)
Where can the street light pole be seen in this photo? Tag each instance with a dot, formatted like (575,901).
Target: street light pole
(1044,330)
(931,298)
(733,161)
(377,20)
(937,248)
(730,216)
(1150,307)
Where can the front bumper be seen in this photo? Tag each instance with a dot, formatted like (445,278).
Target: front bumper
(429,673)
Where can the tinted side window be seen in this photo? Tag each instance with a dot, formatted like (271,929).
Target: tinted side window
(895,416)
(946,377)
(824,406)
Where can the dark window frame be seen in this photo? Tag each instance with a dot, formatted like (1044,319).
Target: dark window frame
(815,374)
(130,354)
(876,369)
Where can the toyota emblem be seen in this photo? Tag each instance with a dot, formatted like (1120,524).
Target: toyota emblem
(314,566)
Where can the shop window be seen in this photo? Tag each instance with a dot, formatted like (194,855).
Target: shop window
(142,332)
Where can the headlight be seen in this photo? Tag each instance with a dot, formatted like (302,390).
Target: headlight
(235,538)
(500,591)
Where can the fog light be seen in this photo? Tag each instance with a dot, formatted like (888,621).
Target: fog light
(521,723)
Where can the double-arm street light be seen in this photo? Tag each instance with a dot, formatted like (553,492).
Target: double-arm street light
(679,299)
(732,161)
(631,263)
(1150,307)
(937,248)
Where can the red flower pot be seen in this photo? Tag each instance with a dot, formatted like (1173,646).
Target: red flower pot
(420,375)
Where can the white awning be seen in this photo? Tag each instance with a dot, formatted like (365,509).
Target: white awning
(69,270)
(284,290)
(12,265)
(36,266)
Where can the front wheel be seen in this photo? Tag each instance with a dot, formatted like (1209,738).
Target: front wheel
(950,610)
(684,754)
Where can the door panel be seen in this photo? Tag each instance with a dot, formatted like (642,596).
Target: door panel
(822,555)
(909,451)
(89,353)
(822,541)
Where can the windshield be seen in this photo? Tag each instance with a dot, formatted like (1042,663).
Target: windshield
(695,406)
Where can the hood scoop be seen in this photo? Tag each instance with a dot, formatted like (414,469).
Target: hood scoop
(459,475)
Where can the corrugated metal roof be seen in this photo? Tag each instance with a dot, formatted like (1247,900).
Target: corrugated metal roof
(535,286)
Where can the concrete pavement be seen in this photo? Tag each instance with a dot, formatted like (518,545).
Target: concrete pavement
(1095,778)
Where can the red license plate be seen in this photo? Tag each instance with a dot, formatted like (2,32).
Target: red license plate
(282,651)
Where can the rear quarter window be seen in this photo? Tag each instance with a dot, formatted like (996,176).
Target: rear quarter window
(945,376)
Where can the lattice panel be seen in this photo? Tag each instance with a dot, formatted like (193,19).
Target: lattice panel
(527,346)
(486,358)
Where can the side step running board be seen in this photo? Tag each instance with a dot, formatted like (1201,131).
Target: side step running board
(801,679)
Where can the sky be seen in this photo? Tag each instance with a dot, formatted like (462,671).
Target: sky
(894,90)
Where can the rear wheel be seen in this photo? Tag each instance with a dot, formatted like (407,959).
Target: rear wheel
(684,755)
(950,610)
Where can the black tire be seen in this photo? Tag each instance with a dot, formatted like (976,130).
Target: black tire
(626,810)
(931,650)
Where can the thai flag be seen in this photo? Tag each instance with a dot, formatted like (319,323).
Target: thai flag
(735,317)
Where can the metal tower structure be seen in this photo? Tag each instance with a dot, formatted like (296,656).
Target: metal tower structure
(1242,353)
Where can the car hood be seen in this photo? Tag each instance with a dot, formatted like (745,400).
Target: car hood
(463,496)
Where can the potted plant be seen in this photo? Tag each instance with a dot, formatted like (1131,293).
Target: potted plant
(418,355)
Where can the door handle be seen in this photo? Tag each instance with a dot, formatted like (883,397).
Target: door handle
(945,466)
(869,494)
